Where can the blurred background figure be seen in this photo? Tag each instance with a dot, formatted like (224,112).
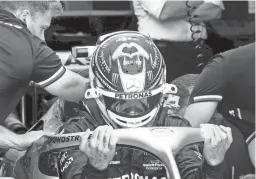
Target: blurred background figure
(185,84)
(179,31)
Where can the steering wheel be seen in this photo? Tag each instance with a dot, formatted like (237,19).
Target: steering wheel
(161,142)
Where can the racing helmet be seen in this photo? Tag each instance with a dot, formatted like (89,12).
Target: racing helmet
(128,78)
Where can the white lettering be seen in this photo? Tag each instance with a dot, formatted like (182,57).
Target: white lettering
(115,77)
(103,82)
(125,176)
(115,162)
(136,176)
(132,177)
(103,62)
(105,45)
(70,160)
(129,61)
(133,96)
(123,39)
(149,42)
(150,75)
(155,63)
(64,156)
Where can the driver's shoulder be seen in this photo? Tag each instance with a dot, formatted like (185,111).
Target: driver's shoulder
(86,117)
(167,119)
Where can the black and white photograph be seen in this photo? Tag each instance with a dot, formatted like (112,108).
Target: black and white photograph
(127,89)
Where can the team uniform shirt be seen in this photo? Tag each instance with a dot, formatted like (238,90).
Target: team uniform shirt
(131,163)
(230,80)
(23,58)
(148,13)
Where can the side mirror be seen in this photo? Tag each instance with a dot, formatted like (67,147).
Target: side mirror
(82,51)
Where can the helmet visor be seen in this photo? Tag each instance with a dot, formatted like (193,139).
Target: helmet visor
(132,107)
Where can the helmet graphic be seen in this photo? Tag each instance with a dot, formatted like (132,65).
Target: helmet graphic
(127,75)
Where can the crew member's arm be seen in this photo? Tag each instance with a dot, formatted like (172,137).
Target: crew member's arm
(207,93)
(9,139)
(70,87)
(165,10)
(49,73)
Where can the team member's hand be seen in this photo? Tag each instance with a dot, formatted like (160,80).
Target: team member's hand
(26,140)
(217,140)
(100,148)
(200,30)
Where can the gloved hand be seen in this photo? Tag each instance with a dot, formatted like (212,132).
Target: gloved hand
(100,148)
(217,140)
